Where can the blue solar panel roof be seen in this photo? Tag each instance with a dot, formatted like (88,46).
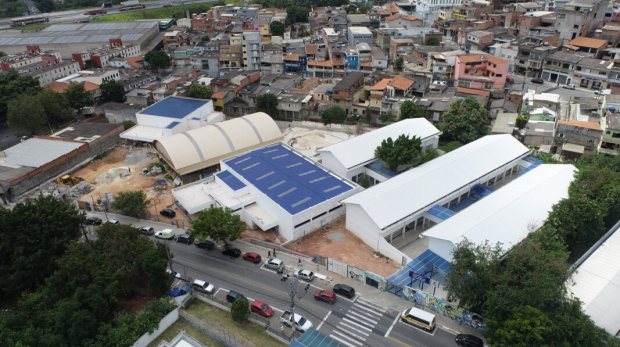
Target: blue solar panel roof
(233,182)
(313,338)
(174,107)
(288,179)
(482,190)
(172,125)
(422,265)
(382,169)
(441,212)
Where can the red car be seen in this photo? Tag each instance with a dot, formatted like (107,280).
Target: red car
(325,295)
(261,308)
(253,257)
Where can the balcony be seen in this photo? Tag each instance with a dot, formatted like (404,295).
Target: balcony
(557,68)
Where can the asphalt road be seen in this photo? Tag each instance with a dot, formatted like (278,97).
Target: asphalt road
(354,322)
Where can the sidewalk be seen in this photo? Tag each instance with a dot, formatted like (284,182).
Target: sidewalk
(386,299)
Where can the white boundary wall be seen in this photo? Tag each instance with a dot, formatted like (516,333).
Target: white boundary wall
(164,324)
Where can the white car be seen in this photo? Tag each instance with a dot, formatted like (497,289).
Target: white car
(569,86)
(167,234)
(304,275)
(274,263)
(113,221)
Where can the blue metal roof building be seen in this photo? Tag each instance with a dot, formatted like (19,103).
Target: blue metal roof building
(174,107)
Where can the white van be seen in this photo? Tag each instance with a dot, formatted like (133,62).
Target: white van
(203,286)
(167,234)
(418,318)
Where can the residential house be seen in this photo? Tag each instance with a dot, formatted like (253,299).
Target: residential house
(592,73)
(480,71)
(527,21)
(400,46)
(403,21)
(573,138)
(272,61)
(503,50)
(207,61)
(579,18)
(587,47)
(345,90)
(359,20)
(252,50)
(295,63)
(610,124)
(559,67)
(60,87)
(357,35)
(479,39)
(379,59)
(538,133)
(230,58)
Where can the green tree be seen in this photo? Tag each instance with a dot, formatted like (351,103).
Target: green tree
(402,151)
(240,310)
(157,60)
(26,116)
(205,38)
(334,114)
(351,8)
(78,97)
(47,6)
(365,181)
(465,121)
(303,31)
(127,124)
(578,220)
(298,13)
(217,223)
(386,117)
(12,85)
(237,99)
(197,91)
(112,91)
(89,63)
(398,64)
(410,109)
(36,233)
(131,203)
(368,115)
(55,106)
(432,41)
(522,121)
(277,28)
(267,103)
(527,327)
(2,54)
(364,9)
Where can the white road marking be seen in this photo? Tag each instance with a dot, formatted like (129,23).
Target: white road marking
(392,326)
(277,309)
(369,307)
(368,321)
(344,298)
(373,316)
(352,328)
(343,342)
(348,337)
(222,289)
(324,319)
(355,323)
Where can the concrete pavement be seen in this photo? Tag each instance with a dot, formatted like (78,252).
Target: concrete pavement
(383,298)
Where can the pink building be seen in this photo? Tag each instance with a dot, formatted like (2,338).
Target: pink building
(480,71)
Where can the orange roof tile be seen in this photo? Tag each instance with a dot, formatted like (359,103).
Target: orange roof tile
(496,60)
(218,95)
(392,7)
(381,85)
(587,42)
(400,82)
(366,63)
(89,86)
(384,12)
(136,62)
(576,123)
(292,57)
(473,91)
(393,17)
(338,62)
(412,17)
(311,49)
(469,58)
(58,87)
(326,63)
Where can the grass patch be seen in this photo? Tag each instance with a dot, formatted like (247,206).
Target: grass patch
(248,330)
(449,147)
(176,328)
(12,9)
(157,13)
(31,27)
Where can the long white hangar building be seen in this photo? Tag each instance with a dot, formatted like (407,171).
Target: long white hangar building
(387,210)
(272,188)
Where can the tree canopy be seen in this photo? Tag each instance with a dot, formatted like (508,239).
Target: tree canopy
(89,63)
(78,97)
(465,121)
(217,223)
(402,151)
(26,116)
(334,114)
(13,85)
(432,41)
(205,38)
(240,310)
(277,28)
(157,60)
(267,103)
(410,109)
(398,63)
(112,91)
(55,106)
(131,203)
(197,91)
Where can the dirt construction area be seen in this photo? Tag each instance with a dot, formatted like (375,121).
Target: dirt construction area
(340,244)
(121,170)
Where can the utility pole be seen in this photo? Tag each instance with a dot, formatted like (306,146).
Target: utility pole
(295,293)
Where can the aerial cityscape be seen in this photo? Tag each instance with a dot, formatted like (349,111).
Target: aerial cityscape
(310,173)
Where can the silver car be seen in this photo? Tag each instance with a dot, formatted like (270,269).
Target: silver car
(304,275)
(274,263)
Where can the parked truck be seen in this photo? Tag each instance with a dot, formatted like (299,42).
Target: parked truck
(300,324)
(68,180)
(106,4)
(95,12)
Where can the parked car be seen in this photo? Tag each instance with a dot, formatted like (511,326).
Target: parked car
(537,81)
(598,92)
(174,274)
(184,238)
(253,257)
(203,286)
(261,308)
(274,263)
(345,290)
(167,213)
(147,231)
(325,295)
(467,340)
(93,221)
(232,296)
(113,221)
(231,251)
(167,234)
(304,275)
(569,86)
(206,244)
(296,321)
(510,80)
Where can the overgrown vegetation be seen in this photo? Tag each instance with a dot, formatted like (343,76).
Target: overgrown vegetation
(30,27)
(174,12)
(218,224)
(127,124)
(297,10)
(131,203)
(12,8)
(465,121)
(403,151)
(524,295)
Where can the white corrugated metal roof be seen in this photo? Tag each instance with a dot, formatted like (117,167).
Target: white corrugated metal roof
(418,188)
(38,152)
(505,215)
(361,149)
(597,285)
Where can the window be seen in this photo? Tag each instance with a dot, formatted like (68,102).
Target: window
(498,75)
(561,136)
(575,26)
(615,135)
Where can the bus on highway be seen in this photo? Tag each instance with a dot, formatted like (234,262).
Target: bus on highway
(130,3)
(137,6)
(26,21)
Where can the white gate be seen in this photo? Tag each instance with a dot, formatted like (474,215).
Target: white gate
(337,267)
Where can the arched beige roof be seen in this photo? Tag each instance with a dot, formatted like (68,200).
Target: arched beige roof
(206,146)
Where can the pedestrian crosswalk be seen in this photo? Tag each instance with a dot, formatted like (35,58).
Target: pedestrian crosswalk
(357,324)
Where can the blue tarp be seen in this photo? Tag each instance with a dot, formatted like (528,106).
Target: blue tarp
(178,291)
(441,212)
(426,264)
